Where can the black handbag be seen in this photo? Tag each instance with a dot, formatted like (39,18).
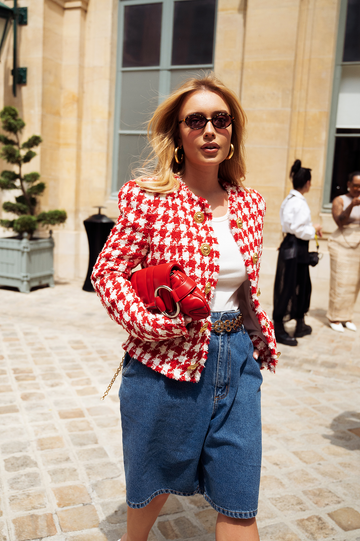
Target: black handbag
(314,257)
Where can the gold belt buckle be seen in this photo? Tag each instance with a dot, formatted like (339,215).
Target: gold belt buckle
(227,325)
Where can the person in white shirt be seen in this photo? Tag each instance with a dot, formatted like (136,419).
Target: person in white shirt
(292,289)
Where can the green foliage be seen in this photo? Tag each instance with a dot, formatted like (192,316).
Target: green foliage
(5,140)
(18,154)
(11,122)
(52,217)
(25,224)
(30,178)
(15,208)
(37,189)
(33,141)
(28,156)
(7,184)
(10,154)
(8,224)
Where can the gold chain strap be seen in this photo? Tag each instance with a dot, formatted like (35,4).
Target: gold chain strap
(118,370)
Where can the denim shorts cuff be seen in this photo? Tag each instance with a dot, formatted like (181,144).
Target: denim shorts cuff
(157,493)
(232,514)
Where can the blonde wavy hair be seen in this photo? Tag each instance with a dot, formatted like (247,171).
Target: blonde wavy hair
(158,173)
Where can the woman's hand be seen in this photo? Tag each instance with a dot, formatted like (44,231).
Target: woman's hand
(256,354)
(318,230)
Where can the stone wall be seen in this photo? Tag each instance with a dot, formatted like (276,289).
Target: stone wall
(278,57)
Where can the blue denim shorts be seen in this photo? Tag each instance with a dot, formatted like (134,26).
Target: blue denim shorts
(187,438)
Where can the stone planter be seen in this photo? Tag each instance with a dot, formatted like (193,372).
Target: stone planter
(26,263)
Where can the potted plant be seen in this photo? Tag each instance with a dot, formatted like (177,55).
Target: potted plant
(25,261)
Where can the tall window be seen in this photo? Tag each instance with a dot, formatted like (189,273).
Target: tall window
(160,44)
(344,143)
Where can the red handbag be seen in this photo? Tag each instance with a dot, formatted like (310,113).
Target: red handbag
(166,288)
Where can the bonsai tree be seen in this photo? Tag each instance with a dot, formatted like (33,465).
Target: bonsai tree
(26,206)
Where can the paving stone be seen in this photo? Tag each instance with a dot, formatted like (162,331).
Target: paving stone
(86,438)
(99,410)
(17,463)
(32,397)
(14,447)
(329,470)
(71,495)
(90,535)
(115,512)
(322,497)
(96,453)
(57,456)
(86,391)
(52,442)
(71,414)
(78,518)
(278,532)
(107,422)
(289,504)
(301,478)
(24,481)
(34,527)
(25,377)
(309,456)
(28,501)
(81,425)
(5,389)
(178,528)
(198,501)
(346,518)
(172,506)
(8,409)
(109,488)
(271,483)
(101,470)
(208,518)
(45,429)
(63,475)
(315,527)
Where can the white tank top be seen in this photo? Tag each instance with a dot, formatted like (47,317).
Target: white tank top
(232,268)
(355,213)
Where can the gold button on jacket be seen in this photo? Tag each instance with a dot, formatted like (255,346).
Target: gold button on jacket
(207,288)
(239,223)
(205,248)
(255,258)
(203,328)
(199,217)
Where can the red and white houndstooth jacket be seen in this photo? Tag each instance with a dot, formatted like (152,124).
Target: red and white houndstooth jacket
(157,228)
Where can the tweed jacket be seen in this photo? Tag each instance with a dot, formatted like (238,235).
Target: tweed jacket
(158,228)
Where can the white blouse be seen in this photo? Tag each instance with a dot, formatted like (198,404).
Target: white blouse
(295,216)
(233,286)
(232,268)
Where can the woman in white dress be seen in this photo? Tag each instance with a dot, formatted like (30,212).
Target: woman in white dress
(344,249)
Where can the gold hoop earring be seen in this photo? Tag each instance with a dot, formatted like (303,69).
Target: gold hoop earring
(177,159)
(231,153)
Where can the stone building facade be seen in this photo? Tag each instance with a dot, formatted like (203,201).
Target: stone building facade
(283,58)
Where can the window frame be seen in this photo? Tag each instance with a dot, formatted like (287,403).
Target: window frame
(339,64)
(164,68)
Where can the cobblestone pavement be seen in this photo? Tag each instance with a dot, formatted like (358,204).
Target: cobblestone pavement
(61,472)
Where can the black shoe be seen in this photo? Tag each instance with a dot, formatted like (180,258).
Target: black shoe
(282,337)
(302,329)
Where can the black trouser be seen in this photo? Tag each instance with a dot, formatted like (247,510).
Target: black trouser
(292,289)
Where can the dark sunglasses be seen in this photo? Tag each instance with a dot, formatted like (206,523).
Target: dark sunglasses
(198,121)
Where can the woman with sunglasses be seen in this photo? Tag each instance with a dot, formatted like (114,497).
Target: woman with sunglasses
(190,390)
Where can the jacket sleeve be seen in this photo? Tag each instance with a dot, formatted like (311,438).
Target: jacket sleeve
(127,247)
(264,341)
